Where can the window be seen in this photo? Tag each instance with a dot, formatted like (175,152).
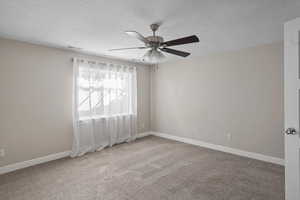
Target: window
(105,90)
(104,105)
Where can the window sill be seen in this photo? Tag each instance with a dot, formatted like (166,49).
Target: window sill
(103,117)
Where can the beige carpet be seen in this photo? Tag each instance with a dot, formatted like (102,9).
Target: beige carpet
(148,169)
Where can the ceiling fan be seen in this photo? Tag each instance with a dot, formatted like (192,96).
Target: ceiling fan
(156,45)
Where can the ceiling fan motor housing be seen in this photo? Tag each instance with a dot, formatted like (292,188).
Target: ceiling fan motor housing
(155,41)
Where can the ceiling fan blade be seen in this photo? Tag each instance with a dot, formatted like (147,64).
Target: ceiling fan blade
(180,41)
(128,48)
(176,52)
(138,36)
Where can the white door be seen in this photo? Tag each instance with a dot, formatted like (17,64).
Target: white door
(291,106)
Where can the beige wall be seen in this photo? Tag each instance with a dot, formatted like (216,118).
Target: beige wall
(206,98)
(36,99)
(238,93)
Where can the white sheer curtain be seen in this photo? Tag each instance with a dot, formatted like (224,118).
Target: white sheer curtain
(104,105)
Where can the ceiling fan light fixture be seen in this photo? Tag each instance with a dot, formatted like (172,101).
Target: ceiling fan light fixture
(154,56)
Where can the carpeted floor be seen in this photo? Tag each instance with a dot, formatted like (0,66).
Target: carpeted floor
(147,169)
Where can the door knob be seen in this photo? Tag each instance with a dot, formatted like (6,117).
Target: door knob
(291,131)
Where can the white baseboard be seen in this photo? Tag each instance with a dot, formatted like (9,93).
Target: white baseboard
(141,135)
(256,156)
(44,159)
(36,161)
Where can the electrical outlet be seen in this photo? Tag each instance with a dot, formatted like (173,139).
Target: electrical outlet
(2,152)
(228,136)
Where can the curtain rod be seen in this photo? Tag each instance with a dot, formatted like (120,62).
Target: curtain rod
(88,60)
(97,62)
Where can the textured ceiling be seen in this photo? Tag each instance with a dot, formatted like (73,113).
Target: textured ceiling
(98,25)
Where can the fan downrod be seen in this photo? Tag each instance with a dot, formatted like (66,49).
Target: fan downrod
(154,27)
